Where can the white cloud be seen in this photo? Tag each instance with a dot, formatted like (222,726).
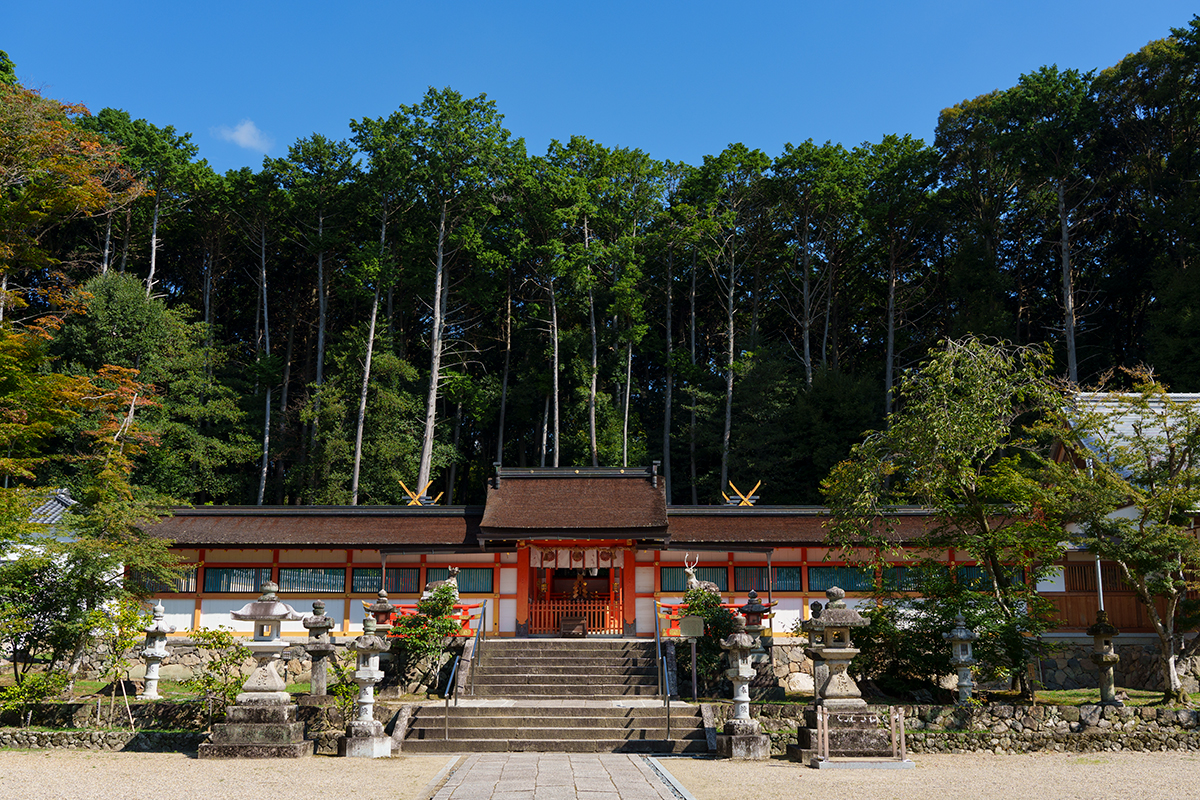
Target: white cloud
(245,134)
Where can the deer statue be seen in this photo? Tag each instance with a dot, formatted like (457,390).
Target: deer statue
(451,581)
(692,582)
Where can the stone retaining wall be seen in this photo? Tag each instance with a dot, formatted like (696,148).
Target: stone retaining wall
(1010,729)
(1069,666)
(139,741)
(1065,666)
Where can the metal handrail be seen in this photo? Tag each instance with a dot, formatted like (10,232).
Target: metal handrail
(477,650)
(664,686)
(451,688)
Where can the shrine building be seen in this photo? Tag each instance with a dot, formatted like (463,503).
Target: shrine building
(597,543)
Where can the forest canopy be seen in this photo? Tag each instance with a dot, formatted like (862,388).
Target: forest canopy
(427,298)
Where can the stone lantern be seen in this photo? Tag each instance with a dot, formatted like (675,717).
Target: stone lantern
(1104,656)
(264,723)
(962,656)
(319,647)
(754,611)
(265,686)
(835,689)
(382,611)
(155,652)
(364,734)
(742,738)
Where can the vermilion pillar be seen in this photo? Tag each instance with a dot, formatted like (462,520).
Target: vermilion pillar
(522,628)
(629,594)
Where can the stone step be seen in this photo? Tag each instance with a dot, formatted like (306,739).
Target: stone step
(566,690)
(486,678)
(525,668)
(562,714)
(516,732)
(436,746)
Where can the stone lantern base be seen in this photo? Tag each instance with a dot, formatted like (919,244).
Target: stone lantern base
(365,740)
(852,734)
(743,740)
(258,731)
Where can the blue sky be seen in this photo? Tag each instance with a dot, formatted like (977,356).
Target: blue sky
(678,80)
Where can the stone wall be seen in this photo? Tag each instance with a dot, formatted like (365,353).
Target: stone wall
(1005,729)
(1023,729)
(1064,666)
(186,658)
(139,741)
(1069,666)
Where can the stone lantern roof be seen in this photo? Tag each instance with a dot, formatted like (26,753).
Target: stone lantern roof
(836,614)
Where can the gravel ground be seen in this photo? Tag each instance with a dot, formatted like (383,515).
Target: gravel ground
(1065,776)
(40,775)
(80,775)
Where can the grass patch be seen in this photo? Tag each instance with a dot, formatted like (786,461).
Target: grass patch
(1084,697)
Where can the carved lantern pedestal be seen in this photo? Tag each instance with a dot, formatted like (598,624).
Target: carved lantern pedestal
(319,647)
(742,738)
(962,656)
(851,729)
(264,723)
(364,735)
(155,652)
(1104,656)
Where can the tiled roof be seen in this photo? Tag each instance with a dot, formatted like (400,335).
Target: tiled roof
(554,500)
(778,526)
(322,526)
(51,512)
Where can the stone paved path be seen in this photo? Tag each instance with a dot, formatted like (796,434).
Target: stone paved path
(555,776)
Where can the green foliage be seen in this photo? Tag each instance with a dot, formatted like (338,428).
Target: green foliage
(904,651)
(1142,453)
(124,624)
(218,679)
(971,441)
(37,687)
(424,634)
(343,688)
(710,658)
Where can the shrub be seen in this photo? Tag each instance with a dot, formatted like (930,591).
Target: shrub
(710,658)
(219,679)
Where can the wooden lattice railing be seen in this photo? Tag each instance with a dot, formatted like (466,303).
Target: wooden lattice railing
(601,616)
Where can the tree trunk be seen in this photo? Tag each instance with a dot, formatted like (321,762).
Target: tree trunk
(507,363)
(322,312)
(362,399)
(107,243)
(625,403)
(153,247)
(283,397)
(1068,288)
(125,239)
(554,337)
(725,434)
(266,441)
(545,425)
(668,385)
(453,478)
(891,333)
(440,290)
(595,369)
(806,319)
(692,387)
(592,381)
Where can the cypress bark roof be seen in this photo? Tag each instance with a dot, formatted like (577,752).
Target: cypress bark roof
(551,501)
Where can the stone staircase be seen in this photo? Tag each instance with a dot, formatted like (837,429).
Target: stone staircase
(560,695)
